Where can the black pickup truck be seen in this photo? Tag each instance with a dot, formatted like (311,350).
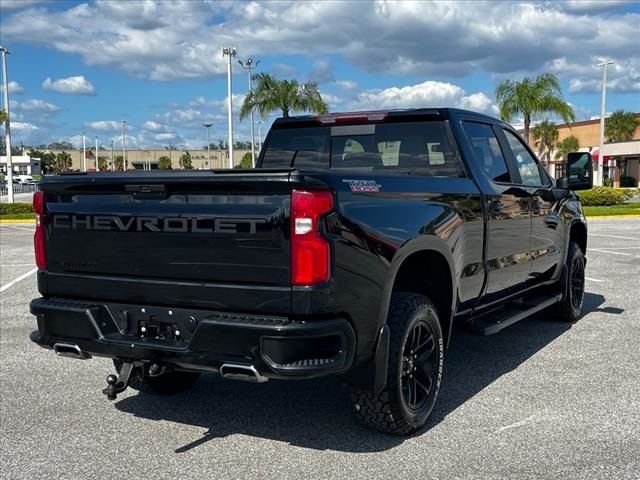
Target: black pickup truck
(350,250)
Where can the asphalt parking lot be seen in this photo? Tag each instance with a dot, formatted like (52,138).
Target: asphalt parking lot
(538,400)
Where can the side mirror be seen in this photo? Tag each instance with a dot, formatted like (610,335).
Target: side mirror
(580,172)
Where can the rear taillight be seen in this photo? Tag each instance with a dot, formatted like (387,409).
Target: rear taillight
(38,238)
(310,251)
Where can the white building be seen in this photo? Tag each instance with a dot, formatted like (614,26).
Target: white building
(22,165)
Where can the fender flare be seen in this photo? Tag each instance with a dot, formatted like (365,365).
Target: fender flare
(415,245)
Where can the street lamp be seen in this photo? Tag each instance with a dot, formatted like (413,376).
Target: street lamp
(249,65)
(7,125)
(124,145)
(84,153)
(208,126)
(260,122)
(229,52)
(602,114)
(97,164)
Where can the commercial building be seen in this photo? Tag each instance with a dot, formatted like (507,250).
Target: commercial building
(22,165)
(145,158)
(621,159)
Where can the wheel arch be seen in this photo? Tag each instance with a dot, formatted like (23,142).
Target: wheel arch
(578,234)
(407,273)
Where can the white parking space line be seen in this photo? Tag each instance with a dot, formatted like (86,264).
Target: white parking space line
(15,227)
(593,279)
(17,265)
(19,279)
(613,236)
(599,250)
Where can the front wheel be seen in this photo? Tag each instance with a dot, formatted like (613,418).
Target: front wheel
(416,354)
(570,307)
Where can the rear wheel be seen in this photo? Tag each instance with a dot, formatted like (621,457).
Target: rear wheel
(570,307)
(167,383)
(416,353)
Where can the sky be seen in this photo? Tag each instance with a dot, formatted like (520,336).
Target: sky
(85,66)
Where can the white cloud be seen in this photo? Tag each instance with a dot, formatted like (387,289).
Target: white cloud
(152,126)
(105,125)
(426,94)
(418,38)
(14,87)
(17,4)
(24,127)
(35,106)
(77,85)
(322,72)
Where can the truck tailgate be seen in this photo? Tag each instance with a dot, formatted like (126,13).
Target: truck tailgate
(203,227)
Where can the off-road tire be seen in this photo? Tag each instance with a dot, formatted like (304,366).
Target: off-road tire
(570,307)
(168,383)
(388,411)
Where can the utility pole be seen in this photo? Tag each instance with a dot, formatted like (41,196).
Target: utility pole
(603,108)
(208,126)
(249,65)
(97,164)
(7,125)
(229,52)
(124,145)
(84,153)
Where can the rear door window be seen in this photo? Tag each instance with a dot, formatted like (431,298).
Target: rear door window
(487,151)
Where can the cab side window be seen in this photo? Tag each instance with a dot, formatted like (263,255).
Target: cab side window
(528,168)
(487,151)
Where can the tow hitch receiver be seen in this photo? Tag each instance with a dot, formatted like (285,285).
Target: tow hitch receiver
(119,383)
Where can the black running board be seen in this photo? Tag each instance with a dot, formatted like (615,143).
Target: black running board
(496,320)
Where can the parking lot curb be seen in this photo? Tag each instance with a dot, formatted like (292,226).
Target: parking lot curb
(17,220)
(610,217)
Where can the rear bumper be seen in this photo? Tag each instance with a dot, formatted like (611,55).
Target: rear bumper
(278,347)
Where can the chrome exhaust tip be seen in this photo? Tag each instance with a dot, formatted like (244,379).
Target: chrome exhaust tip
(236,371)
(70,350)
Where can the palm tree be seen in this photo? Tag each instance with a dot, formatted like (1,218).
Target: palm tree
(63,161)
(271,94)
(621,126)
(545,135)
(566,146)
(532,96)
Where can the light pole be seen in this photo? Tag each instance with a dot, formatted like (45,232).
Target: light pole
(260,136)
(84,153)
(7,125)
(208,126)
(97,164)
(249,65)
(604,64)
(229,52)
(112,166)
(124,146)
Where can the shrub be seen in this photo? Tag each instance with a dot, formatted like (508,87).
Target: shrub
(14,208)
(626,181)
(601,196)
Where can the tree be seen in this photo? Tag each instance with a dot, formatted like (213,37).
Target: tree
(245,162)
(532,96)
(164,163)
(48,163)
(566,146)
(60,146)
(545,135)
(3,116)
(271,94)
(103,163)
(63,160)
(621,126)
(118,163)
(185,161)
(222,145)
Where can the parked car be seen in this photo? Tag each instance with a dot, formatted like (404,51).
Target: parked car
(350,250)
